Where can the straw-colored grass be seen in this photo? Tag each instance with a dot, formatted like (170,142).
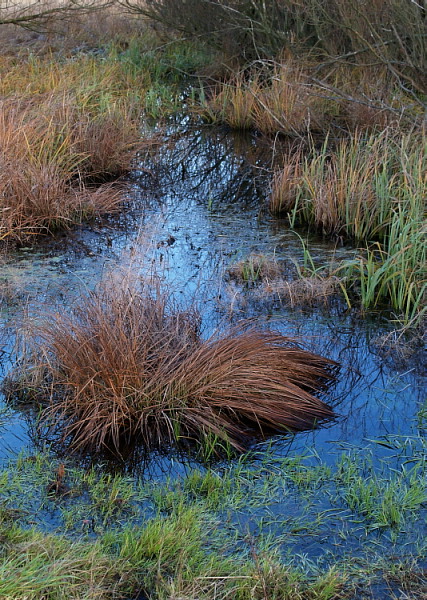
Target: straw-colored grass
(353,188)
(66,126)
(36,200)
(305,291)
(288,104)
(91,80)
(284,184)
(88,141)
(271,99)
(255,267)
(293,99)
(234,103)
(123,367)
(47,158)
(370,188)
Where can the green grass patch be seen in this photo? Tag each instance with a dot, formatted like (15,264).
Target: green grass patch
(245,530)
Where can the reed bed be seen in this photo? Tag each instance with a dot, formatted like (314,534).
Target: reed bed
(270,99)
(293,99)
(353,188)
(370,188)
(57,145)
(125,367)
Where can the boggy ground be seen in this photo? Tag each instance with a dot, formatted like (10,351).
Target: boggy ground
(75,106)
(244,530)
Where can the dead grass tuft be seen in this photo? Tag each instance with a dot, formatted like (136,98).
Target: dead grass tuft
(51,154)
(255,267)
(306,291)
(36,199)
(125,366)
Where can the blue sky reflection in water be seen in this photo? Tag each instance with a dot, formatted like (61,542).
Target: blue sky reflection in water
(206,195)
(203,201)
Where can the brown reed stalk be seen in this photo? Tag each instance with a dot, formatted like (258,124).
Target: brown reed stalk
(285,184)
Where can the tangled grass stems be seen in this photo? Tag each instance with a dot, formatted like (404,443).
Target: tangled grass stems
(393,272)
(270,99)
(51,158)
(370,188)
(254,268)
(177,556)
(65,129)
(125,366)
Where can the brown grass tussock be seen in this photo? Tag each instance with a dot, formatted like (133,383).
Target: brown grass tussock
(125,367)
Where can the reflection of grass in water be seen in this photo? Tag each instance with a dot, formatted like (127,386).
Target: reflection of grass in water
(257,524)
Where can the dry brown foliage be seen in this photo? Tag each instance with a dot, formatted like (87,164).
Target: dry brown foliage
(273,98)
(36,199)
(255,267)
(125,366)
(285,184)
(51,153)
(306,291)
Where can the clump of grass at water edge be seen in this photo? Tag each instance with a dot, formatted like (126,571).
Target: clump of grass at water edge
(372,189)
(126,366)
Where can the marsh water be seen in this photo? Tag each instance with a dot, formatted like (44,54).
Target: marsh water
(202,201)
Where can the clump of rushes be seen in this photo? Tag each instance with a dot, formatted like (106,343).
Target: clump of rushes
(370,188)
(355,188)
(284,184)
(288,104)
(125,367)
(234,102)
(394,271)
(40,187)
(65,128)
(270,100)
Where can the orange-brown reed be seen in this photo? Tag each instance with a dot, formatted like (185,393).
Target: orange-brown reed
(51,154)
(125,367)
